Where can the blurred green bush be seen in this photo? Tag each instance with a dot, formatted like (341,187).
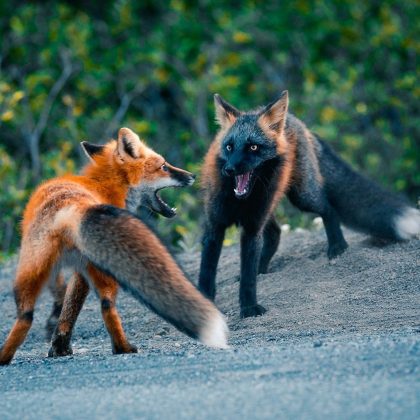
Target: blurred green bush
(72,70)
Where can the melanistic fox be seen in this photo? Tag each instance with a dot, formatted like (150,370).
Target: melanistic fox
(258,157)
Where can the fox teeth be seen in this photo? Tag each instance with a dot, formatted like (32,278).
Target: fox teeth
(240,193)
(173,209)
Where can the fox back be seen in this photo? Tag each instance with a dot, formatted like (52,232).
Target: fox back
(79,221)
(258,157)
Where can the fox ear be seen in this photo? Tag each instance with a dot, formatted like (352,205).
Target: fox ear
(226,113)
(91,149)
(273,116)
(129,144)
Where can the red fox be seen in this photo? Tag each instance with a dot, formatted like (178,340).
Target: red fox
(260,156)
(80,221)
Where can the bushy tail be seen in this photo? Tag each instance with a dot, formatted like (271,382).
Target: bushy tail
(364,205)
(121,245)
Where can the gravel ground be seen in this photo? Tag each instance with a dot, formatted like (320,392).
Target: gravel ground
(340,340)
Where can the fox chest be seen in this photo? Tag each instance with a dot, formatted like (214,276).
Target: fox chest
(251,211)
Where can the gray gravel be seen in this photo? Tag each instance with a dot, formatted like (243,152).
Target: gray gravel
(340,340)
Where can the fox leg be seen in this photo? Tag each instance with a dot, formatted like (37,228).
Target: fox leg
(212,246)
(317,202)
(77,290)
(58,290)
(271,236)
(336,242)
(107,289)
(31,277)
(251,244)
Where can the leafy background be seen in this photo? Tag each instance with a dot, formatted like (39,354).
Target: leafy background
(79,70)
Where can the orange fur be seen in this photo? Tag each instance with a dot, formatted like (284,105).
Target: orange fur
(108,289)
(50,224)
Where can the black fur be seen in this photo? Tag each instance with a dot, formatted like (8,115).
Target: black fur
(243,134)
(119,350)
(334,191)
(228,108)
(348,197)
(106,304)
(52,320)
(360,202)
(61,341)
(27,316)
(128,148)
(56,310)
(250,213)
(184,177)
(60,345)
(92,149)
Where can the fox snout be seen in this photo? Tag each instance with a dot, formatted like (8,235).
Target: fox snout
(228,170)
(182,177)
(237,164)
(231,170)
(243,178)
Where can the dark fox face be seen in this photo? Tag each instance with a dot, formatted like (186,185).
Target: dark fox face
(243,150)
(250,140)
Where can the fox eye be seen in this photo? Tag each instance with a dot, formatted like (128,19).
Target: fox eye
(164,168)
(254,147)
(228,147)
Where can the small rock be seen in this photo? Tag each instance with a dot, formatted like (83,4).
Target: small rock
(163,331)
(285,228)
(318,223)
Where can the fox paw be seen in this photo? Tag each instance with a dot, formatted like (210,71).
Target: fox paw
(263,269)
(337,249)
(3,359)
(255,310)
(50,327)
(56,351)
(129,348)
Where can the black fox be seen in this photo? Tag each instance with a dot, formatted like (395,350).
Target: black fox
(258,157)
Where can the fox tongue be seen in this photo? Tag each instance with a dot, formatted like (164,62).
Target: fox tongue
(242,183)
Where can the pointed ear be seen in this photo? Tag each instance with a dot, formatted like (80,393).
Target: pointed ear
(226,113)
(129,144)
(91,149)
(273,116)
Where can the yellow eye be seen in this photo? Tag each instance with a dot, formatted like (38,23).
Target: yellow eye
(228,147)
(254,147)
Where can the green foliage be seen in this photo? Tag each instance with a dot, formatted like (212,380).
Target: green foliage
(69,73)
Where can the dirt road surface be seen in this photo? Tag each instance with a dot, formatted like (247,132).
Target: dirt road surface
(339,340)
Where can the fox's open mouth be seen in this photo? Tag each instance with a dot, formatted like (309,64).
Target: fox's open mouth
(243,184)
(146,194)
(159,206)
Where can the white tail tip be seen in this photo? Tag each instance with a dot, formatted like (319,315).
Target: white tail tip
(408,224)
(215,333)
